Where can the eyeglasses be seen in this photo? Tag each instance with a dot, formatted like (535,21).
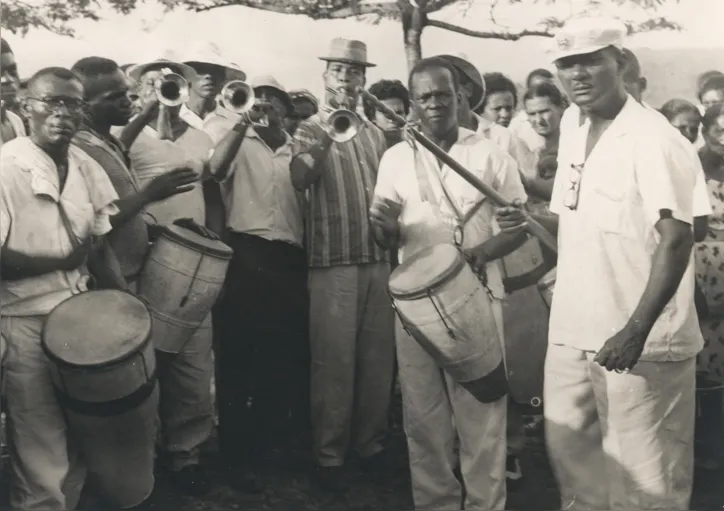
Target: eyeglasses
(73,105)
(570,200)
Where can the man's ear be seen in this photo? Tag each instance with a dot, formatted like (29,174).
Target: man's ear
(644,84)
(25,108)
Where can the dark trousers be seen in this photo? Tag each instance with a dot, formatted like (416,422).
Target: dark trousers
(262,351)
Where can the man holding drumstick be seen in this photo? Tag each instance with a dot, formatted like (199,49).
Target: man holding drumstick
(413,210)
(620,368)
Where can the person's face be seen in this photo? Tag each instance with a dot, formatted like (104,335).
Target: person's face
(436,101)
(112,102)
(544,116)
(209,80)
(688,124)
(303,109)
(499,108)
(54,109)
(276,110)
(714,136)
(346,79)
(712,97)
(382,121)
(591,79)
(9,79)
(636,86)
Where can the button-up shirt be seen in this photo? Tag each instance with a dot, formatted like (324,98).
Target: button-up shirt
(413,178)
(258,192)
(606,245)
(338,231)
(216,124)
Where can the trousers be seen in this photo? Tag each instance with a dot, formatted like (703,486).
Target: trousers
(620,441)
(262,355)
(47,471)
(352,357)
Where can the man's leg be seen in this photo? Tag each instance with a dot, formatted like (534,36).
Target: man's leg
(374,361)
(333,294)
(573,431)
(47,473)
(648,426)
(428,421)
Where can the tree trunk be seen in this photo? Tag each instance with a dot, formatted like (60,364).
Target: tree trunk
(413,23)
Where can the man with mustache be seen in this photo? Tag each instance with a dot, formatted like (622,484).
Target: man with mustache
(11,125)
(42,176)
(624,334)
(433,199)
(351,331)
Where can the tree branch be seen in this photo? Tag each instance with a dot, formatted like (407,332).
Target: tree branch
(505,36)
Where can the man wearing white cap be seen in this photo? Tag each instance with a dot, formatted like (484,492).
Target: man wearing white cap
(263,316)
(351,330)
(624,334)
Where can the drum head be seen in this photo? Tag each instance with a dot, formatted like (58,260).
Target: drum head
(96,328)
(425,270)
(197,242)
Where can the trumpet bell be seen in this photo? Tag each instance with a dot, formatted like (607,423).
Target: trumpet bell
(343,125)
(238,96)
(172,90)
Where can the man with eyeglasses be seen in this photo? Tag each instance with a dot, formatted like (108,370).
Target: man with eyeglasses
(43,175)
(624,334)
(11,125)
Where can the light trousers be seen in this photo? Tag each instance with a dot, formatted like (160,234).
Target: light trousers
(620,441)
(47,472)
(352,358)
(436,410)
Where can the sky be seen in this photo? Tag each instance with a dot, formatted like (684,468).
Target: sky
(288,46)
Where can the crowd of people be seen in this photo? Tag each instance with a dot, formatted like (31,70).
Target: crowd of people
(304,343)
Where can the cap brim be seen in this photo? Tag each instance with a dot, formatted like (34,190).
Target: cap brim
(347,61)
(579,51)
(231,73)
(283,94)
(135,72)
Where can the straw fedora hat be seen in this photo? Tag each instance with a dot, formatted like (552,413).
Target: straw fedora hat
(464,67)
(272,83)
(136,71)
(348,51)
(208,53)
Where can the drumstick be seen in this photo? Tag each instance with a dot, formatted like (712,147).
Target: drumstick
(532,226)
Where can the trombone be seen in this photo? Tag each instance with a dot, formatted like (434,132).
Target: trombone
(238,96)
(342,124)
(172,89)
(532,226)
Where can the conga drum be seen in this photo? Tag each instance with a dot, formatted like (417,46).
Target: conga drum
(103,366)
(445,308)
(181,281)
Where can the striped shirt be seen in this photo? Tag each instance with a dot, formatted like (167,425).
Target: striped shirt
(337,223)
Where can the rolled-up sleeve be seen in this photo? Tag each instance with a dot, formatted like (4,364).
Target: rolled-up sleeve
(665,177)
(507,180)
(386,187)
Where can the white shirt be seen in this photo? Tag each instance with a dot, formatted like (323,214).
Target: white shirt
(606,245)
(424,223)
(216,124)
(510,143)
(30,220)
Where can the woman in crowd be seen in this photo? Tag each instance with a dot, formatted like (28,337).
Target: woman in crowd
(684,116)
(501,99)
(394,95)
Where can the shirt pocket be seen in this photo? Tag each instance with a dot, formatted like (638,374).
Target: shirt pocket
(607,209)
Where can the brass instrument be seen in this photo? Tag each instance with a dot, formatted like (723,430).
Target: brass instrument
(342,124)
(172,90)
(532,226)
(238,96)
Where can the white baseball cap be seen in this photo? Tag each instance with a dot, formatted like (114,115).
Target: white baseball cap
(580,36)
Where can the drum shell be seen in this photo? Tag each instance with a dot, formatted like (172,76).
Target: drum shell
(546,285)
(174,271)
(474,356)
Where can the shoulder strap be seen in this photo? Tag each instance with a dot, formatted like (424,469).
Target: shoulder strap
(66,223)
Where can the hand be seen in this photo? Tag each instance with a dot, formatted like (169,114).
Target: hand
(189,224)
(254,115)
(78,255)
(478,259)
(622,351)
(512,219)
(384,215)
(179,180)
(150,109)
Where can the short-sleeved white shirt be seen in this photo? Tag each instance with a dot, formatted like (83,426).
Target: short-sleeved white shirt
(424,223)
(606,246)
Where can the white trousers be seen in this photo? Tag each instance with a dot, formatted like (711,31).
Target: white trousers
(436,410)
(620,441)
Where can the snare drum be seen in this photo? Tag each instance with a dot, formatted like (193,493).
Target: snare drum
(103,368)
(181,281)
(445,308)
(546,286)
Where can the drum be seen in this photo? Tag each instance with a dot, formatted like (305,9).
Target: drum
(181,281)
(546,286)
(103,368)
(523,267)
(445,308)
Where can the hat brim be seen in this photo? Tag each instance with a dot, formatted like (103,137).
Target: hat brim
(231,73)
(137,71)
(472,73)
(348,61)
(286,98)
(586,50)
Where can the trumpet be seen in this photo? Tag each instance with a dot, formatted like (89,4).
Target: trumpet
(238,96)
(342,124)
(172,89)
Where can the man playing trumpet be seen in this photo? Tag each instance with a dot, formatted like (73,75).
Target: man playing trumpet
(351,328)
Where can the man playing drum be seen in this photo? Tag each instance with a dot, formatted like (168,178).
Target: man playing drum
(436,409)
(620,369)
(43,176)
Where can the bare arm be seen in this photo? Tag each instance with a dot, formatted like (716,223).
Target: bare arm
(701,226)
(15,265)
(131,131)
(226,151)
